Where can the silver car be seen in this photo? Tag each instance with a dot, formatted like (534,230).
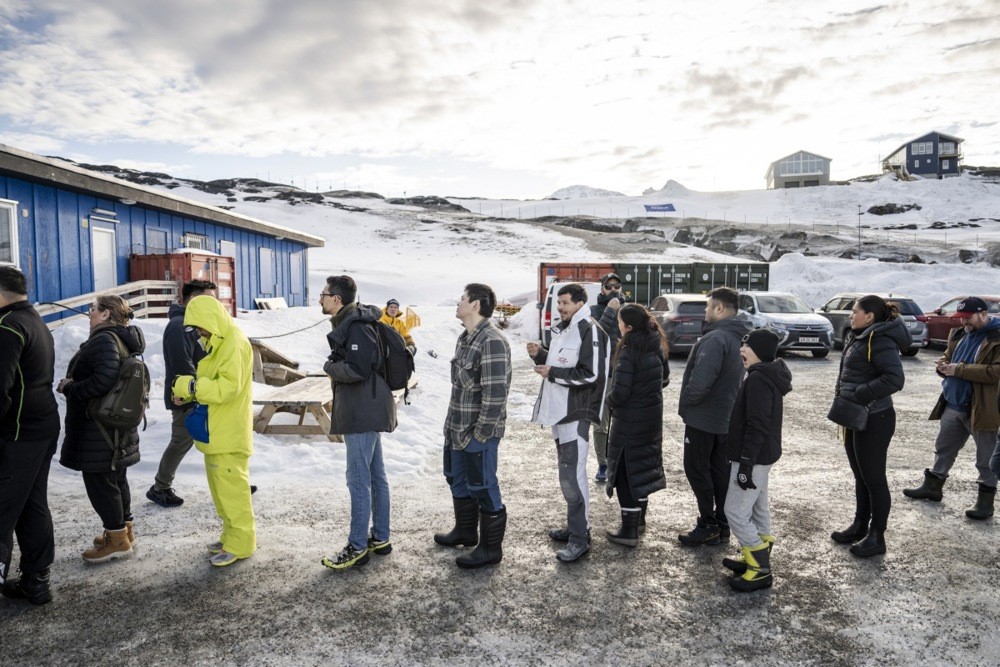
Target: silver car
(838,311)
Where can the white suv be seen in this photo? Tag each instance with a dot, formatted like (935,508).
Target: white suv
(550,316)
(791,318)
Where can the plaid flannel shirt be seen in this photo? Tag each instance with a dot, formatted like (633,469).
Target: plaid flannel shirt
(480,382)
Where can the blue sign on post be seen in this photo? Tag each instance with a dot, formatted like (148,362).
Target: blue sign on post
(659,208)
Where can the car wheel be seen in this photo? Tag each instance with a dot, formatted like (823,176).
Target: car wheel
(911,352)
(819,354)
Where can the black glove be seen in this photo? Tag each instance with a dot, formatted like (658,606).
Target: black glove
(744,477)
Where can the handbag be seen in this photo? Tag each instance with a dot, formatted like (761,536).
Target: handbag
(848,414)
(196,423)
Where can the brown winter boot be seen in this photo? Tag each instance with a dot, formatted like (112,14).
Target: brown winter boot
(114,545)
(99,540)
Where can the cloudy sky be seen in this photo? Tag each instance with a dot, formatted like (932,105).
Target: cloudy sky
(511,98)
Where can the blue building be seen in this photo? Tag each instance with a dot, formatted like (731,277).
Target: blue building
(71,232)
(934,155)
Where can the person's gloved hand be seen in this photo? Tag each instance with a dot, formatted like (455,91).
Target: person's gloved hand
(183,387)
(744,477)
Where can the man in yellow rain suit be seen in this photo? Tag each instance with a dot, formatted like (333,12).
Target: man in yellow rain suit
(392,317)
(223,385)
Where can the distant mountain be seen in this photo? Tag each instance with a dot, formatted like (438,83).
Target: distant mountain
(671,188)
(582,192)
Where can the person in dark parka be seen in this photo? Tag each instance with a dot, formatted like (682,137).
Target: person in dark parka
(29,433)
(635,441)
(870,373)
(605,312)
(92,373)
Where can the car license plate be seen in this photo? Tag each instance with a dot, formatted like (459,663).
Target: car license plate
(809,339)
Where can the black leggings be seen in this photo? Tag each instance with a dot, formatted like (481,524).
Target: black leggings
(110,496)
(622,487)
(866,452)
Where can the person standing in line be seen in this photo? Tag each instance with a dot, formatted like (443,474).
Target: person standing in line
(870,373)
(970,371)
(753,446)
(29,433)
(605,312)
(222,384)
(635,444)
(392,317)
(473,427)
(363,409)
(711,381)
(93,372)
(181,354)
(574,369)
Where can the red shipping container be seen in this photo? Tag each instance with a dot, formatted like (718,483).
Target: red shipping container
(562,272)
(186,266)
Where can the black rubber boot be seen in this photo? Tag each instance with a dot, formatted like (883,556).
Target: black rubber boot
(492,526)
(739,564)
(929,490)
(628,534)
(643,504)
(983,509)
(872,545)
(464,533)
(856,531)
(31,587)
(758,570)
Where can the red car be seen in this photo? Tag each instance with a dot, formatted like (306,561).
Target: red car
(942,320)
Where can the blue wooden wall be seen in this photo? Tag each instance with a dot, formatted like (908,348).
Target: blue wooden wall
(55,253)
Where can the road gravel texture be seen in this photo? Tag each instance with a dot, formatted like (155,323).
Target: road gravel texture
(932,600)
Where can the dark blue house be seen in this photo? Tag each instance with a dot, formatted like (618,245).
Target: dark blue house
(71,232)
(934,155)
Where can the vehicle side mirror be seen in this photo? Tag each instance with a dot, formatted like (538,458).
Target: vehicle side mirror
(539,305)
(938,311)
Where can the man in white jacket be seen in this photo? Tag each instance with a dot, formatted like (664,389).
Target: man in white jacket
(574,369)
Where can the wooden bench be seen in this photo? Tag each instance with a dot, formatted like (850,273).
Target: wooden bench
(312,395)
(272,367)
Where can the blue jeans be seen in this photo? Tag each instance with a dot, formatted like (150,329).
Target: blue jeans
(472,473)
(368,486)
(995,459)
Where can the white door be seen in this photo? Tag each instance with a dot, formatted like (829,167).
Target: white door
(104,258)
(297,288)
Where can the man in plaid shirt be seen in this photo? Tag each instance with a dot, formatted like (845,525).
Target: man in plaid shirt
(480,382)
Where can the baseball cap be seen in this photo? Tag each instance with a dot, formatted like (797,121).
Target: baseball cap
(970,306)
(609,277)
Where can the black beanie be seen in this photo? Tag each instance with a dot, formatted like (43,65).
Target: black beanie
(764,343)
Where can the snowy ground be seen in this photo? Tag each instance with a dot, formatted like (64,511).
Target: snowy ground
(929,601)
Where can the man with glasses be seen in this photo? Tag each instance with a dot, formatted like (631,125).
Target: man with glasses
(711,382)
(363,408)
(477,413)
(605,312)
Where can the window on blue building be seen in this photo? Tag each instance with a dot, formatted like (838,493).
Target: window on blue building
(8,232)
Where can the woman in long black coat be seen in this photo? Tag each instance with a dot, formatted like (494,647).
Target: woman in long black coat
(635,440)
(92,373)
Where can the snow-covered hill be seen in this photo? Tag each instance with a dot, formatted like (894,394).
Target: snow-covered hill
(582,192)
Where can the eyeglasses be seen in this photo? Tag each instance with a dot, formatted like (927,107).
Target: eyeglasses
(322,294)
(612,285)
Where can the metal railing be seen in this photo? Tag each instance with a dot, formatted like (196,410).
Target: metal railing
(148,298)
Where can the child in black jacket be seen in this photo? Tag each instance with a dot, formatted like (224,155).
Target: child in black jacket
(754,444)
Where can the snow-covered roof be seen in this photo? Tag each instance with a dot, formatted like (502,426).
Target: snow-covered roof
(22,163)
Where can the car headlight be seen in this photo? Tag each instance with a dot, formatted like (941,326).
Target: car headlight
(777,328)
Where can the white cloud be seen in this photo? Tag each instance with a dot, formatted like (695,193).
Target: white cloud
(705,94)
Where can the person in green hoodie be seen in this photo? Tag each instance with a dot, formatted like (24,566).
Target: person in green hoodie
(223,385)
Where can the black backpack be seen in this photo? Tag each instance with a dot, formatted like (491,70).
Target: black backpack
(124,407)
(398,365)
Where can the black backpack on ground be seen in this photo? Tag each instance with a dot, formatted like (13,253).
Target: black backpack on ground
(398,365)
(124,407)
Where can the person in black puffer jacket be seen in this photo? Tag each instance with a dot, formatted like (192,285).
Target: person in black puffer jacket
(635,440)
(92,373)
(870,373)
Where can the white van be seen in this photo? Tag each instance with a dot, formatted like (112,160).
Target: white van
(549,315)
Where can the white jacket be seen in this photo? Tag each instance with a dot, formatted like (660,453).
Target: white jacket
(579,355)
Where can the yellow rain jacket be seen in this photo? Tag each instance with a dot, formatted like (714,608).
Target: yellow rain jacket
(224,379)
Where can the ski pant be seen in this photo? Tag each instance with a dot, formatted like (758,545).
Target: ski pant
(571,449)
(179,445)
(110,496)
(707,471)
(747,510)
(24,506)
(866,452)
(956,428)
(472,473)
(229,482)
